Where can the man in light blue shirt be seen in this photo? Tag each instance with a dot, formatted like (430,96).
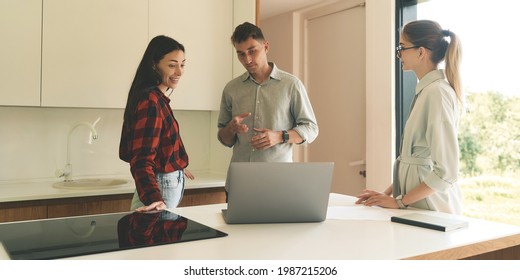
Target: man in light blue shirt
(265,110)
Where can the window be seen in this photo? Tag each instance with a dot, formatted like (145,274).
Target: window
(406,81)
(489,131)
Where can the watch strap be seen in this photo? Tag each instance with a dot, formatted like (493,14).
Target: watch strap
(285,136)
(399,201)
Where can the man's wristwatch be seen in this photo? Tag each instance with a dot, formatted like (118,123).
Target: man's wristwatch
(399,200)
(285,136)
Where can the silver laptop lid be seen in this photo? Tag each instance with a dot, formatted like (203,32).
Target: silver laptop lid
(278,192)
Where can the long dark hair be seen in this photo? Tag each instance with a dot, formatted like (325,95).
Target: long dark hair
(146,75)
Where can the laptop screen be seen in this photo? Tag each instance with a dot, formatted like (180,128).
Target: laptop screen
(265,192)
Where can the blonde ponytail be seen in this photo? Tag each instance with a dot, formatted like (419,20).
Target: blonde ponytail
(453,59)
(429,34)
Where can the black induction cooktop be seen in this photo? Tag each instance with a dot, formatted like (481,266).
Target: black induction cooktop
(83,235)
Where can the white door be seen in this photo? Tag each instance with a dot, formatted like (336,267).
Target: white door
(335,77)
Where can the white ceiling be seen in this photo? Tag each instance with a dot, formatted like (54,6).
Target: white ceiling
(270,8)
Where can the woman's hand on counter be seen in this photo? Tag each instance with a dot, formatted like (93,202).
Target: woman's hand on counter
(155,206)
(374,198)
(188,174)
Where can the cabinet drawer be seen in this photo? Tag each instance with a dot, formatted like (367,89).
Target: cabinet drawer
(20,211)
(89,205)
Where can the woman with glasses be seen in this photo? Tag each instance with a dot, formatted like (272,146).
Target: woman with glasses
(425,173)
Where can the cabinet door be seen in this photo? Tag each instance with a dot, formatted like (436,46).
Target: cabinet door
(22,210)
(91,49)
(80,206)
(20,52)
(204,27)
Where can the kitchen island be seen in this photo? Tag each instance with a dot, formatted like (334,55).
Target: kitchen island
(366,235)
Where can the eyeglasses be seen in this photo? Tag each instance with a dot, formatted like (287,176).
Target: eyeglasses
(400,48)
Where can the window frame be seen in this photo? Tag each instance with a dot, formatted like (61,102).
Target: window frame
(405,82)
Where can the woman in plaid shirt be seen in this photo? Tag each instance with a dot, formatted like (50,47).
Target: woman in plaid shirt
(150,138)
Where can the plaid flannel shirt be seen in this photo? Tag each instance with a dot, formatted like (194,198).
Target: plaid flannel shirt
(152,145)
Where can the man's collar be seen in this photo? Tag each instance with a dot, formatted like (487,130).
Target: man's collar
(275,73)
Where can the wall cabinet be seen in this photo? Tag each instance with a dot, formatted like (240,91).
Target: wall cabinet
(20,52)
(91,49)
(84,53)
(204,27)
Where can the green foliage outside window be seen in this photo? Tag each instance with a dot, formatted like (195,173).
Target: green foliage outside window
(489,135)
(489,140)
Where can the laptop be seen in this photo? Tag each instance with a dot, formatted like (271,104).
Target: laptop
(278,192)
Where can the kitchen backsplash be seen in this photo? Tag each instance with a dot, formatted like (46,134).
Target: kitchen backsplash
(33,142)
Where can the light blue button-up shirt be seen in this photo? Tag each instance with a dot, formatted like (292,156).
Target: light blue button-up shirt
(279,103)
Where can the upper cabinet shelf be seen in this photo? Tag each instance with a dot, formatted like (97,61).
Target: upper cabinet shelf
(91,50)
(204,27)
(84,53)
(20,55)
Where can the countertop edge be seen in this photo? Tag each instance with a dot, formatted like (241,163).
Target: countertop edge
(33,190)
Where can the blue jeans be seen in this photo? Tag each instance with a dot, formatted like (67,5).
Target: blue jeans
(171,186)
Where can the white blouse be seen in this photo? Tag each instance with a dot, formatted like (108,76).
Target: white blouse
(430,148)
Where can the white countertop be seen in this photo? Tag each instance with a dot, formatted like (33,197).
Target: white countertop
(43,189)
(341,239)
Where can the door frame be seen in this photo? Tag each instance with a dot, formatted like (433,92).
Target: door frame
(348,154)
(380,84)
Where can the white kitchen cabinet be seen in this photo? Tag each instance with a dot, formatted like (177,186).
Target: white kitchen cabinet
(90,51)
(84,53)
(204,27)
(20,52)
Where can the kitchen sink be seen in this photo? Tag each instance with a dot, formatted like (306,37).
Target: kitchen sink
(90,184)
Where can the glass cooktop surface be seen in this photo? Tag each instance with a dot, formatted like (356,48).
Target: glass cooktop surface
(83,235)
